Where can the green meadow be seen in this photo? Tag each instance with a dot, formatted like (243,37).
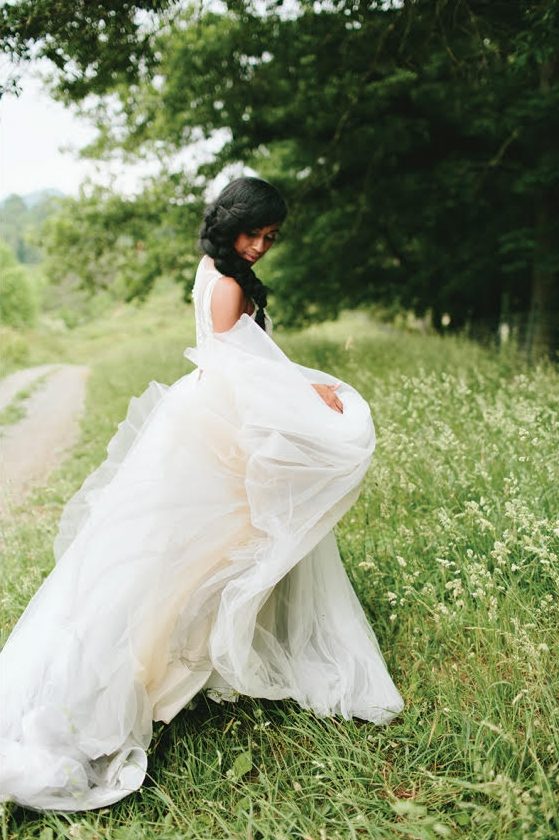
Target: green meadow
(453,551)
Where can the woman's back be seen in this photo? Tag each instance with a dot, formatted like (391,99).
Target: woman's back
(206,277)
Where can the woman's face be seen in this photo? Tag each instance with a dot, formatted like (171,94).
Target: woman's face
(254,244)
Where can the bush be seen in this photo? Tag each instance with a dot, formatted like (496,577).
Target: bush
(14,350)
(19,299)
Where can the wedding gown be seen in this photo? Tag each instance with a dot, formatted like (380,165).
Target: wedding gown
(199,555)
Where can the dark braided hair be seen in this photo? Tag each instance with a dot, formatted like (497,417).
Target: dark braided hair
(243,205)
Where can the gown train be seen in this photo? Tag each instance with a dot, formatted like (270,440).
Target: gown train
(199,555)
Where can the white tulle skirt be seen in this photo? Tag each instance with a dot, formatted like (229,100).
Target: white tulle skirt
(200,554)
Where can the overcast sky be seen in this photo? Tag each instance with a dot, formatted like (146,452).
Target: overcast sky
(35,133)
(32,129)
(40,139)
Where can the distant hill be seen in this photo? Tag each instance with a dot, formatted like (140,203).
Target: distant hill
(33,198)
(38,196)
(21,216)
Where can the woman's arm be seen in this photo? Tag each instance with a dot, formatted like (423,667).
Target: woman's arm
(227,304)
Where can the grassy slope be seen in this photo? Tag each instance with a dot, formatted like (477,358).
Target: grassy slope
(452,549)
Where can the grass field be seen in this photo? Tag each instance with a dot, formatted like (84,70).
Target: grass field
(453,551)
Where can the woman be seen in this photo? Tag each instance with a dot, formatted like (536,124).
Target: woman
(200,554)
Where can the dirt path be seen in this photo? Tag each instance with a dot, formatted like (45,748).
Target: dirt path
(34,445)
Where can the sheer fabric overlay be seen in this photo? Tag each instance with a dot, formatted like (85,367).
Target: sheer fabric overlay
(199,555)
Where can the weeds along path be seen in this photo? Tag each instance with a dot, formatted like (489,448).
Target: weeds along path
(40,409)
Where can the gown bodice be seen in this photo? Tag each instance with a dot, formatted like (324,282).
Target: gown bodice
(206,276)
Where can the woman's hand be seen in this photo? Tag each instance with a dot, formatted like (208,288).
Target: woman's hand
(329,397)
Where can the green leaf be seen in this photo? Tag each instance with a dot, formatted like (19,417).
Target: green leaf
(243,804)
(462,819)
(242,764)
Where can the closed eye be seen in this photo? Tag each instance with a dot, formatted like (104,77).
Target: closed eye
(271,237)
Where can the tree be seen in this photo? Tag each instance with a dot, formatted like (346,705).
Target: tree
(19,302)
(20,219)
(415,144)
(93,45)
(107,241)
(537,47)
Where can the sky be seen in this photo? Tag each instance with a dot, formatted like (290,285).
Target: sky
(39,139)
(32,129)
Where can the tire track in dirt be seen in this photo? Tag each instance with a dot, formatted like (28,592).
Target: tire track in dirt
(32,447)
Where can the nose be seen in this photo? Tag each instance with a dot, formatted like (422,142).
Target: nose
(259,245)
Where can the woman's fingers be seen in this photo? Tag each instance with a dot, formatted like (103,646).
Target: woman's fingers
(329,397)
(337,404)
(334,401)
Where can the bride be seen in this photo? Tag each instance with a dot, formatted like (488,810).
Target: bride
(200,554)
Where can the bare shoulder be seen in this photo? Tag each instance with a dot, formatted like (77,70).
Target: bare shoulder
(227,303)
(227,283)
(227,292)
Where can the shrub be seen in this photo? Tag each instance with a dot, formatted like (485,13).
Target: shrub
(19,299)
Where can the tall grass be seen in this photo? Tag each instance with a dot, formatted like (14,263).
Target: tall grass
(452,549)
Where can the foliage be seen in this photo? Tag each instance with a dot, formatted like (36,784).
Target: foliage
(21,217)
(398,133)
(452,549)
(19,297)
(415,141)
(93,45)
(122,245)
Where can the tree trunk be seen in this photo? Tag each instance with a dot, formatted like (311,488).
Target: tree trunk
(542,336)
(543,324)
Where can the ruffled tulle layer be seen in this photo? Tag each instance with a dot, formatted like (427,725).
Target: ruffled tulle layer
(199,554)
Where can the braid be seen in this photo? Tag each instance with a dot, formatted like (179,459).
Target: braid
(246,203)
(219,227)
